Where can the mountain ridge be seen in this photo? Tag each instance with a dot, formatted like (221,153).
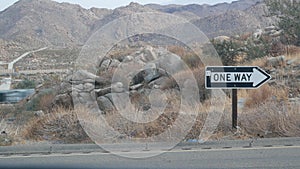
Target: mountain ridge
(38,23)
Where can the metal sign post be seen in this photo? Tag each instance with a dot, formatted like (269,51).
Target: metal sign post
(235,77)
(234,108)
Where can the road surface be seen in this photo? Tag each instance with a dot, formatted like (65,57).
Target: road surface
(11,64)
(5,85)
(275,157)
(32,72)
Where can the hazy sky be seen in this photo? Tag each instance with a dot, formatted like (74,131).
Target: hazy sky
(116,3)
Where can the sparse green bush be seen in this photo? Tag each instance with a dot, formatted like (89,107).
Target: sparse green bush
(228,51)
(238,51)
(26,84)
(256,49)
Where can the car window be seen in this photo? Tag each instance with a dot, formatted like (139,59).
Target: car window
(171,84)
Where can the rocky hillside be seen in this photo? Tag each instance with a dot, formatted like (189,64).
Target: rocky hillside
(206,10)
(36,23)
(44,22)
(230,23)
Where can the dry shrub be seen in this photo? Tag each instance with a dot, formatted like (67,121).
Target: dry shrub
(277,49)
(106,75)
(162,123)
(245,37)
(178,50)
(224,129)
(45,101)
(197,127)
(140,130)
(187,55)
(153,127)
(242,93)
(260,62)
(5,140)
(264,94)
(119,52)
(293,50)
(156,127)
(272,119)
(59,126)
(256,97)
(293,53)
(280,94)
(199,75)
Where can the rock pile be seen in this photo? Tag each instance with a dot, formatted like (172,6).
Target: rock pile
(129,82)
(271,31)
(285,73)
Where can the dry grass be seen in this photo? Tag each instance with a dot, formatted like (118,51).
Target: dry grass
(267,113)
(45,101)
(59,126)
(256,97)
(151,128)
(119,52)
(5,140)
(197,127)
(260,62)
(178,50)
(242,93)
(154,128)
(293,51)
(163,122)
(140,130)
(295,56)
(271,119)
(198,73)
(188,56)
(106,76)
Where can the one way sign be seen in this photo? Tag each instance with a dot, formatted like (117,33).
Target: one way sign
(230,77)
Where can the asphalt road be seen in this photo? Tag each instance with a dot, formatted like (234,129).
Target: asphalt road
(275,157)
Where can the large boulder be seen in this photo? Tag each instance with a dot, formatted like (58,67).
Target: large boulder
(105,104)
(169,62)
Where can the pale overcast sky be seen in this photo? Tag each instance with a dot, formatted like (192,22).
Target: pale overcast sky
(116,3)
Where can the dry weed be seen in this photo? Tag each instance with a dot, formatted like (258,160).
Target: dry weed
(59,126)
(271,118)
(256,97)
(45,101)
